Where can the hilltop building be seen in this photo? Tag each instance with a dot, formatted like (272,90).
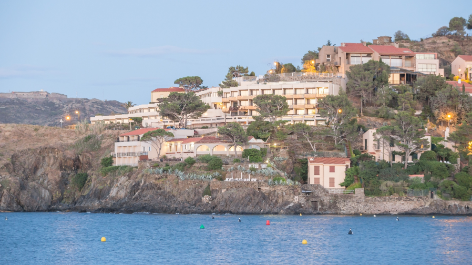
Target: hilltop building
(405,64)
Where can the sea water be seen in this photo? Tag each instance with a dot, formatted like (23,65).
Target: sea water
(74,238)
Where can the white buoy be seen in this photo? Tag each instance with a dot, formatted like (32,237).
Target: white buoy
(375,215)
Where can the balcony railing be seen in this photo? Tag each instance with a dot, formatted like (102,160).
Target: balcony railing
(128,154)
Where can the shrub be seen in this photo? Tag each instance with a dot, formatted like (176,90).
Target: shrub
(429,156)
(88,144)
(204,127)
(395,174)
(236,160)
(253,154)
(204,158)
(354,186)
(357,152)
(253,169)
(463,179)
(461,193)
(207,191)
(349,179)
(263,152)
(121,170)
(189,161)
(155,165)
(180,166)
(215,163)
(79,180)
(279,179)
(107,161)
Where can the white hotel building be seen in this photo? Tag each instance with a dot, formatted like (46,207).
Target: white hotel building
(235,104)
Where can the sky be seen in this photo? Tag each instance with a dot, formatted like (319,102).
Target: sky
(122,50)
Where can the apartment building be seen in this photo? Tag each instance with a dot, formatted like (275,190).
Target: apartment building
(328,172)
(405,64)
(462,67)
(383,150)
(235,104)
(129,149)
(158,93)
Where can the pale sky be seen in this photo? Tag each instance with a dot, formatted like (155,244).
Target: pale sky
(122,50)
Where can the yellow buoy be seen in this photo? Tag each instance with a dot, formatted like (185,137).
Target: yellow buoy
(304,242)
(360,214)
(300,214)
(434,217)
(104,239)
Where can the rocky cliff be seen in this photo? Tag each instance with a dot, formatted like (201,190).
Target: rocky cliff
(40,180)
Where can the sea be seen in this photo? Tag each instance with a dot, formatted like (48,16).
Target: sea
(144,238)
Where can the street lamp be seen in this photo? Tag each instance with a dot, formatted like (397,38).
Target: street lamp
(340,111)
(448,119)
(78,114)
(61,121)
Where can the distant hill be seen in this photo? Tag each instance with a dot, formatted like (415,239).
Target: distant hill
(48,110)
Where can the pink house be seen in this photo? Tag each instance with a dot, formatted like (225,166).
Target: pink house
(328,172)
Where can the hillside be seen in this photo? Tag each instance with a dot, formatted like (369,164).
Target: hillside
(49,111)
(447,47)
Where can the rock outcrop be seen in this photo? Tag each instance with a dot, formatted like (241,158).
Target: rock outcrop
(40,180)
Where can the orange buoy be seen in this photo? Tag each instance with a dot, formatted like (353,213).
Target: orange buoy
(267,222)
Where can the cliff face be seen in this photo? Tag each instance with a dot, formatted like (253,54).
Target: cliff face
(40,180)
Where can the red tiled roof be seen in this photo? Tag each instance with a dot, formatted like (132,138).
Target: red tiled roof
(329,160)
(169,89)
(467,58)
(456,84)
(391,50)
(187,140)
(355,47)
(139,131)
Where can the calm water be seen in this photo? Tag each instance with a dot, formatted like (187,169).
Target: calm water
(74,238)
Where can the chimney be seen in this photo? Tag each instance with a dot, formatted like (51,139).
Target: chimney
(343,44)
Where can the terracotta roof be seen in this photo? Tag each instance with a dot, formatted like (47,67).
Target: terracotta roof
(169,89)
(355,47)
(466,57)
(139,131)
(187,140)
(329,160)
(391,50)
(456,84)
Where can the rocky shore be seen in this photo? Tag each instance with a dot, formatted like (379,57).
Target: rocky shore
(39,180)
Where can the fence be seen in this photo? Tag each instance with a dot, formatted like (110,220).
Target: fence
(418,193)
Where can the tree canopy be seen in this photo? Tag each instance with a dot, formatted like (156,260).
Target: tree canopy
(235,132)
(340,113)
(442,31)
(469,22)
(309,56)
(157,138)
(449,104)
(288,68)
(189,83)
(234,72)
(457,24)
(399,35)
(271,106)
(179,107)
(363,79)
(407,133)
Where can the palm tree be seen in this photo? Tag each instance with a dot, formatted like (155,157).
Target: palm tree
(128,105)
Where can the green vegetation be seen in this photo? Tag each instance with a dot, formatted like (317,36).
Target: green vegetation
(190,83)
(271,106)
(215,163)
(233,72)
(179,107)
(235,132)
(189,161)
(207,191)
(236,160)
(107,161)
(157,138)
(120,170)
(89,143)
(254,155)
(79,180)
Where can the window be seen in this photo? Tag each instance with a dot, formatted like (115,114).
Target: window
(328,57)
(332,169)
(149,148)
(355,59)
(331,182)
(365,144)
(244,103)
(278,92)
(300,111)
(393,156)
(317,181)
(425,56)
(289,102)
(317,171)
(426,67)
(299,91)
(300,101)
(244,93)
(288,91)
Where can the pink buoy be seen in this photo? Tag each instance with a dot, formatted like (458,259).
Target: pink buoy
(267,222)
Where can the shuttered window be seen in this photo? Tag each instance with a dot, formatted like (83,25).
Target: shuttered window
(317,181)
(331,168)
(317,170)
(331,182)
